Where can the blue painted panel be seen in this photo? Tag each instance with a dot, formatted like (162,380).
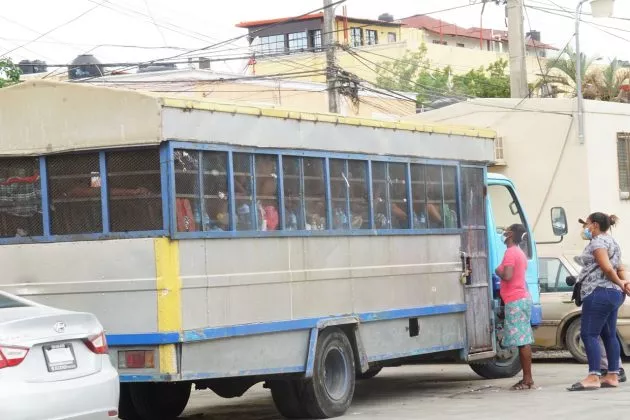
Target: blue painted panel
(146,378)
(43,179)
(417,352)
(252,372)
(275,326)
(147,339)
(536,315)
(166,192)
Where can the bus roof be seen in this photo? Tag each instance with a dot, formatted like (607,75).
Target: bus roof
(40,116)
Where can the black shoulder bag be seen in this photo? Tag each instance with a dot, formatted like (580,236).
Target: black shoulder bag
(576,297)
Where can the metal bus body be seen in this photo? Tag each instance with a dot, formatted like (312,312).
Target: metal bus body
(225,300)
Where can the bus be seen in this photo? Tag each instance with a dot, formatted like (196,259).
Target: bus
(224,245)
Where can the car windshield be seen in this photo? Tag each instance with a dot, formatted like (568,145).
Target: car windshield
(7,302)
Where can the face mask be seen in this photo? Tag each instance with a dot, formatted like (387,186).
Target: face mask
(587,235)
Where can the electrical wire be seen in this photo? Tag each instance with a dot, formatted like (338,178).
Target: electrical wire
(54,29)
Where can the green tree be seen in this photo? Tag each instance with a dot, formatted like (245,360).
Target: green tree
(414,73)
(9,72)
(491,82)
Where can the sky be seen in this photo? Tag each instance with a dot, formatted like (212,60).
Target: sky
(57,32)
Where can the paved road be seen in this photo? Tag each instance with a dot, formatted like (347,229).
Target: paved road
(442,392)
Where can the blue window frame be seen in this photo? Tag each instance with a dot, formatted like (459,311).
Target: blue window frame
(303,193)
(199,190)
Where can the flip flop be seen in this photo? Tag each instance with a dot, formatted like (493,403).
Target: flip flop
(579,387)
(607,385)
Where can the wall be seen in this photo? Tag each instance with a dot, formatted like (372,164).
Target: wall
(533,139)
(381,29)
(603,120)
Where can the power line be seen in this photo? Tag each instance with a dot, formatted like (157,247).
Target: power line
(231,40)
(54,29)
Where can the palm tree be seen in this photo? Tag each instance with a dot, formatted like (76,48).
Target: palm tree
(609,81)
(565,67)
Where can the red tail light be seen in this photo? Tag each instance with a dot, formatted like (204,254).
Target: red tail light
(97,343)
(12,355)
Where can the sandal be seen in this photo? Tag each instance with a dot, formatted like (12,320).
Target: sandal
(522,386)
(578,386)
(607,385)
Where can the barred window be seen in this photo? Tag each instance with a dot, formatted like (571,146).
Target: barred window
(134,190)
(215,184)
(294,215)
(397,183)
(419,196)
(623,160)
(187,191)
(20,198)
(339,193)
(435,195)
(449,179)
(267,198)
(358,194)
(315,194)
(74,190)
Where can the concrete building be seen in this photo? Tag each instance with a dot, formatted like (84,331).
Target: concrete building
(275,50)
(268,92)
(538,147)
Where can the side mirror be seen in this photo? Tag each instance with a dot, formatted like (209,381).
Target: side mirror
(559,221)
(571,280)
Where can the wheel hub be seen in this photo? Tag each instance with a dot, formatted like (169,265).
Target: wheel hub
(335,374)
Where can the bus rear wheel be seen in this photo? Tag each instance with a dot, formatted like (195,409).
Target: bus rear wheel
(159,400)
(506,365)
(329,392)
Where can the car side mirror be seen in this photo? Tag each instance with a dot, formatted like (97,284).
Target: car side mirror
(571,280)
(559,221)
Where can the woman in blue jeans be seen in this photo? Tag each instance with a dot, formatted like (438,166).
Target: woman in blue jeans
(603,292)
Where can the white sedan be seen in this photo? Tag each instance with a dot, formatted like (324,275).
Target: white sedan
(53,364)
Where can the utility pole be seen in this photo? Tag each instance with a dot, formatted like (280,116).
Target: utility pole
(330,45)
(516,41)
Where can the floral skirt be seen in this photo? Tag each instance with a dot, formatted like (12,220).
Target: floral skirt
(517,329)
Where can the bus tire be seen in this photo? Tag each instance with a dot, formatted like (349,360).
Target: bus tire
(369,374)
(160,400)
(498,368)
(126,410)
(287,397)
(329,392)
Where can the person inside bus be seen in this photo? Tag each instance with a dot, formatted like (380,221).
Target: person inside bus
(517,327)
(603,292)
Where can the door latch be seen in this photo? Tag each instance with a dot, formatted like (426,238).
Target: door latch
(466,276)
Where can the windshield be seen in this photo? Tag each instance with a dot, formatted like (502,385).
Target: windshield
(7,302)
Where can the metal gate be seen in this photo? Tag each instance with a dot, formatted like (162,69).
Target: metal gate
(475,257)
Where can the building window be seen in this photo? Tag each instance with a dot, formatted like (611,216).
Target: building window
(272,44)
(391,37)
(356,37)
(371,37)
(439,42)
(460,45)
(298,41)
(315,39)
(20,198)
(623,160)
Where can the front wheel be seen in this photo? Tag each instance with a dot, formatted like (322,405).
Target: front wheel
(159,400)
(574,341)
(507,364)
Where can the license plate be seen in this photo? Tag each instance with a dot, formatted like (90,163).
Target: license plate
(60,357)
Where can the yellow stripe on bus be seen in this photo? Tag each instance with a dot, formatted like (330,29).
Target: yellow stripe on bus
(169,300)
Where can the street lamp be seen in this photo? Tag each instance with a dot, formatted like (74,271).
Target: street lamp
(599,9)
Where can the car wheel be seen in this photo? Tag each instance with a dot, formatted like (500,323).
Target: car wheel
(126,410)
(160,400)
(329,392)
(573,341)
